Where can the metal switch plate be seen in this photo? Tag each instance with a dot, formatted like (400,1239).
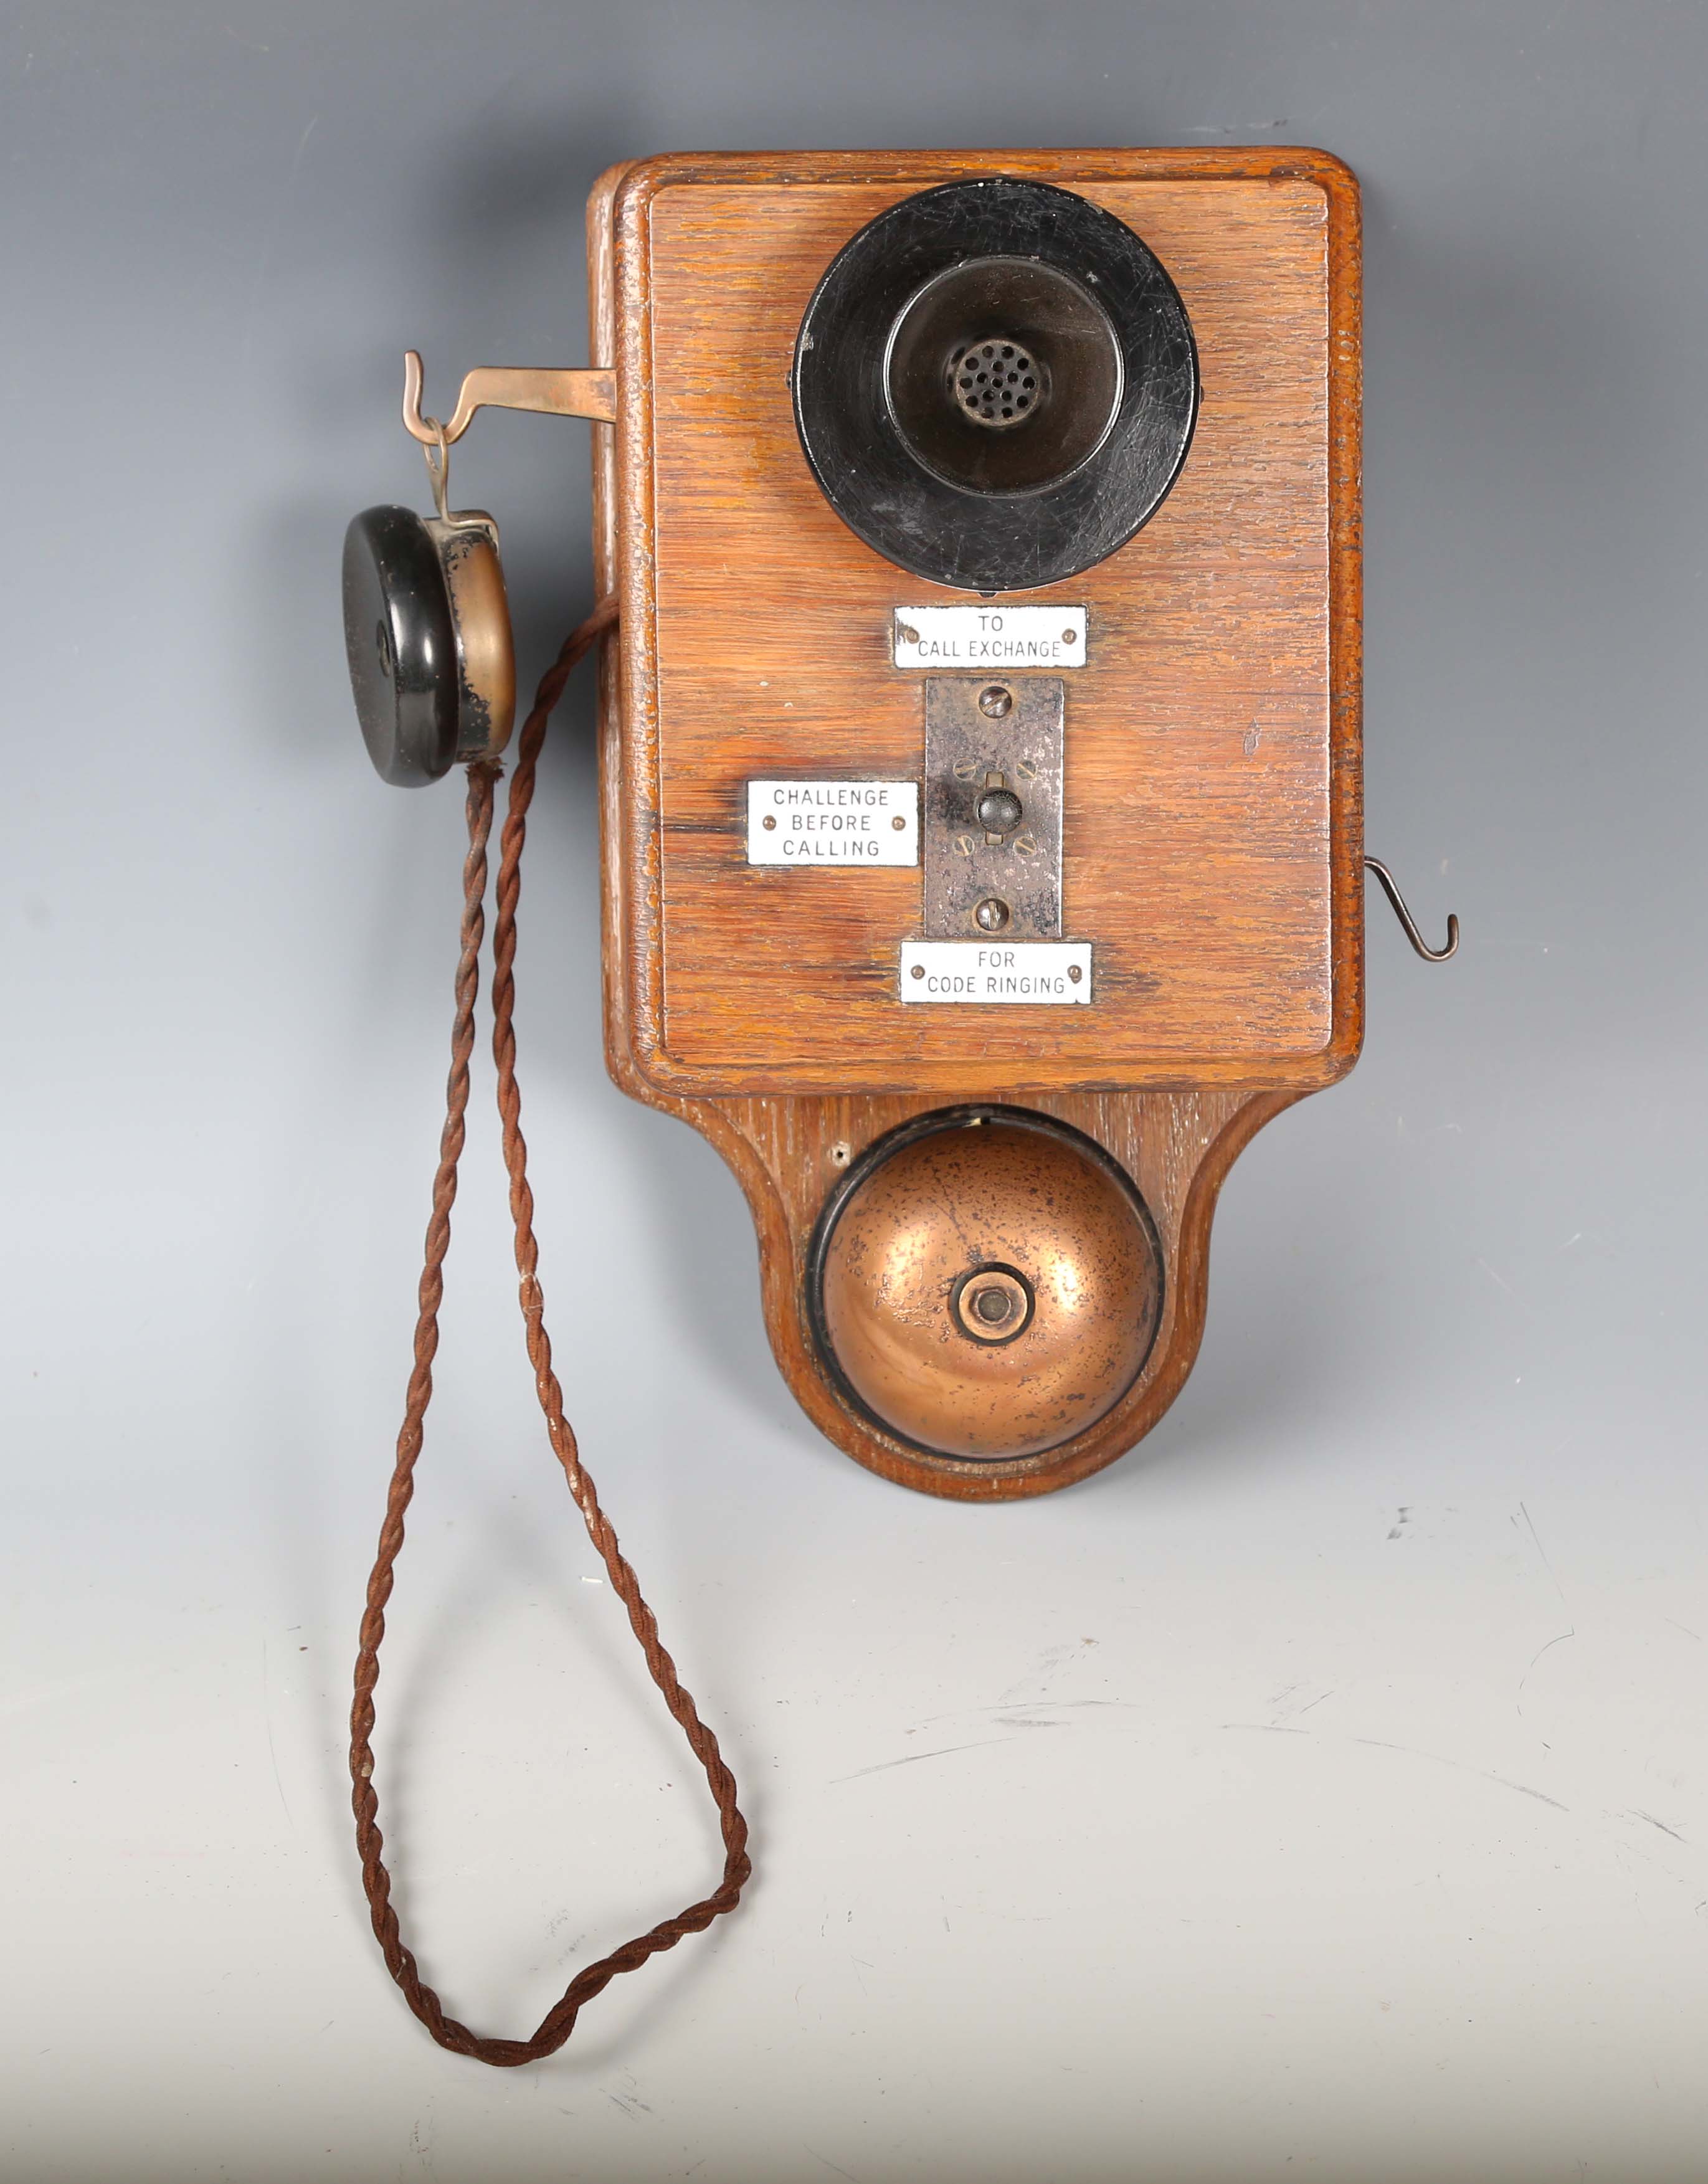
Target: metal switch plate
(994,742)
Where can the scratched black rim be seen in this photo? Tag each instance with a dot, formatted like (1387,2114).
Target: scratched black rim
(912,512)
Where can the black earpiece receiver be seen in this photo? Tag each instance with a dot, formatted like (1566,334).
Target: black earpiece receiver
(427,629)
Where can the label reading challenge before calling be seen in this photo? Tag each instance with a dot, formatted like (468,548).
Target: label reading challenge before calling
(832,822)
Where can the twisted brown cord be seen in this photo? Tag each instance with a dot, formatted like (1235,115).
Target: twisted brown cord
(558,2022)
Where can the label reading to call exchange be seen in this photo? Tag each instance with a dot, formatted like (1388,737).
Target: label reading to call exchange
(988,638)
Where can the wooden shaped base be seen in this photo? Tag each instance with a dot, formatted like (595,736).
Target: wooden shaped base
(788,1154)
(1215,724)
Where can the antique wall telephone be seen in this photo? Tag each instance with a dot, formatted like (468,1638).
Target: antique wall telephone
(981,777)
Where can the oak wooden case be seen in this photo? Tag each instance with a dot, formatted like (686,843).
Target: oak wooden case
(1212,842)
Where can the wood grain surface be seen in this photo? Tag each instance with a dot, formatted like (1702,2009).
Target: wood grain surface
(1213,781)
(1211,810)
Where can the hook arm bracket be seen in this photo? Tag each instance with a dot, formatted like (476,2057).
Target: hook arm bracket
(591,394)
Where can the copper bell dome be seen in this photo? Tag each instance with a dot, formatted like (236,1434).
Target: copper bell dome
(986,1284)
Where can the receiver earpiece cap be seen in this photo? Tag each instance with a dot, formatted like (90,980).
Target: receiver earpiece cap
(401,638)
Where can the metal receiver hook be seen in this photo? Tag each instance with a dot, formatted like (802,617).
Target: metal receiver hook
(1390,887)
(591,394)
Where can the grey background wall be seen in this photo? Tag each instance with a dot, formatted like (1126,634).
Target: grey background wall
(1323,1792)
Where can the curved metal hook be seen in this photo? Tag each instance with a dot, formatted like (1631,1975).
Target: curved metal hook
(1390,887)
(591,394)
(427,430)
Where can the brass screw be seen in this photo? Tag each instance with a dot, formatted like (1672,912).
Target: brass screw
(1070,636)
(898,823)
(1075,973)
(769,824)
(994,702)
(918,971)
(992,915)
(907,636)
